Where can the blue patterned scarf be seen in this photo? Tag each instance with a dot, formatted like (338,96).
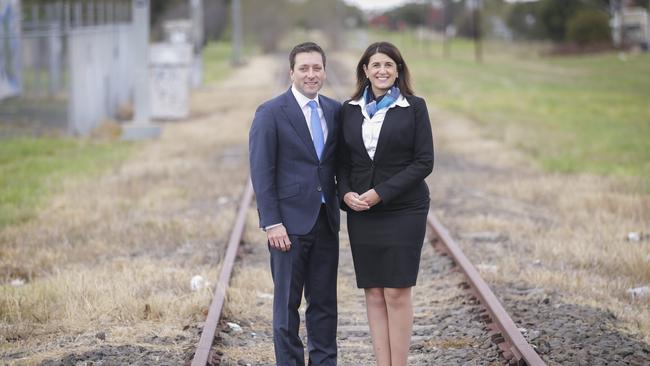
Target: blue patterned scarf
(385,101)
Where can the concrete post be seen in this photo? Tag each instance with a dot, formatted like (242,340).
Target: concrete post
(141,127)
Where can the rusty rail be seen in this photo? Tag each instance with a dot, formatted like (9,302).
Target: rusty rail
(512,344)
(214,313)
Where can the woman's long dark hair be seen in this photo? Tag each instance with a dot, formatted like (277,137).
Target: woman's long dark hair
(388,49)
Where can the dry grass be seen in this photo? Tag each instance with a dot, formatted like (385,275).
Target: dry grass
(117,254)
(111,292)
(447,343)
(567,232)
(249,302)
(130,301)
(257,354)
(249,296)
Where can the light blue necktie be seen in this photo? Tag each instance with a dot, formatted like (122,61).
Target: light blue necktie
(316,129)
(317,134)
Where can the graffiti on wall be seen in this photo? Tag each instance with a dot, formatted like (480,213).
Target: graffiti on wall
(10,75)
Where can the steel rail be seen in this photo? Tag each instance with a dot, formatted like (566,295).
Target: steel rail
(214,313)
(515,344)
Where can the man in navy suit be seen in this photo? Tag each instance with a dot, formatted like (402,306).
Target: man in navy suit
(292,146)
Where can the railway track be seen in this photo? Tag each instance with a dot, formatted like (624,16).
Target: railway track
(457,318)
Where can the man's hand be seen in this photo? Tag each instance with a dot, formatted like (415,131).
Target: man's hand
(370,197)
(278,238)
(352,200)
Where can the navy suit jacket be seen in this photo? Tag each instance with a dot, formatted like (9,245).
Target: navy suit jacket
(287,176)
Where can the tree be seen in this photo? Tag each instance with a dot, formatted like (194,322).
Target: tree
(158,9)
(215,18)
(554,15)
(549,19)
(589,26)
(524,23)
(267,21)
(411,14)
(270,21)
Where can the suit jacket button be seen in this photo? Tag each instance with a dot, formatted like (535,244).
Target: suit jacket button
(319,189)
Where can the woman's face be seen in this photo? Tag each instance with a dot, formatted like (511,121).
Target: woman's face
(382,73)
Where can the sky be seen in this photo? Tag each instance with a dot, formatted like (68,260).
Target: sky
(369,5)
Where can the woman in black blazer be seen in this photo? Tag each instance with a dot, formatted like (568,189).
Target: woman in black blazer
(386,153)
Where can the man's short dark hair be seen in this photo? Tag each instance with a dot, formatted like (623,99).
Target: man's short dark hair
(304,47)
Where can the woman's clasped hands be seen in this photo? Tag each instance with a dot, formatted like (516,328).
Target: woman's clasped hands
(361,202)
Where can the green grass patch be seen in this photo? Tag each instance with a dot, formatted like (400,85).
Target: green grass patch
(573,113)
(217,61)
(31,169)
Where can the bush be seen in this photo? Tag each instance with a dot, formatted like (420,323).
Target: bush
(589,26)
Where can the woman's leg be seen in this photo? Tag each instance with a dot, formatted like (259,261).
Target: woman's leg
(400,323)
(378,321)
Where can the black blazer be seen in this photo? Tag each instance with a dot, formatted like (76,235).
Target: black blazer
(403,159)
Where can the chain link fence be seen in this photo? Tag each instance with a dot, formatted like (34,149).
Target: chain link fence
(65,65)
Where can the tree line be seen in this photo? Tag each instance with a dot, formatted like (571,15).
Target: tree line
(576,21)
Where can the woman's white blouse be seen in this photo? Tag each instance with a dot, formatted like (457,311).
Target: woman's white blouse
(371,127)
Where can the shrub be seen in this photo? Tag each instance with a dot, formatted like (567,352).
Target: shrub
(589,26)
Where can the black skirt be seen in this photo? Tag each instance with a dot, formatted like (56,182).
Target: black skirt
(386,245)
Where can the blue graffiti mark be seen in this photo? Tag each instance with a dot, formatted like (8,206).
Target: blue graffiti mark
(10,47)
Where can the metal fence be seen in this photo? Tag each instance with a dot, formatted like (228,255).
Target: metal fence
(10,77)
(70,62)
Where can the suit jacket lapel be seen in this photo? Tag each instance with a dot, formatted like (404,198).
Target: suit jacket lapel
(297,120)
(357,127)
(328,113)
(384,133)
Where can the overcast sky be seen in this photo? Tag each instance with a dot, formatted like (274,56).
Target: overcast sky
(387,4)
(376,4)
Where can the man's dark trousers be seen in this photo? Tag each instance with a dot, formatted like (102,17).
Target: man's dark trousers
(311,262)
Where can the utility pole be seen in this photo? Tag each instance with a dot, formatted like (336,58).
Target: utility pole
(338,24)
(198,37)
(436,5)
(236,32)
(475,8)
(447,21)
(613,11)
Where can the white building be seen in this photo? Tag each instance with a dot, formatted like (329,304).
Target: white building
(631,26)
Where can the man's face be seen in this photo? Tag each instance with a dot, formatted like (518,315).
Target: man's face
(308,73)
